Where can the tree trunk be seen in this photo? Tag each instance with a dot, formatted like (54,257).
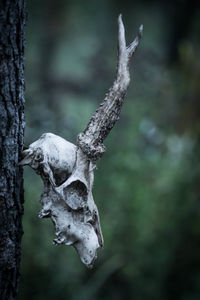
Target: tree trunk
(12,23)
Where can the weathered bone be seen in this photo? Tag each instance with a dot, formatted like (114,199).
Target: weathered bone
(67,170)
(67,197)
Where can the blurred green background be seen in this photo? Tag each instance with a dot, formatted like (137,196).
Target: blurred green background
(147,183)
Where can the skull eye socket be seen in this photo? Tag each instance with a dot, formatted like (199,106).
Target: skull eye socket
(76,194)
(60,176)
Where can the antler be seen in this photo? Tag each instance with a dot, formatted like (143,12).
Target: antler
(91,139)
(67,170)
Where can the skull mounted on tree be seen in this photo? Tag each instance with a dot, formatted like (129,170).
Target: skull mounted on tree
(67,170)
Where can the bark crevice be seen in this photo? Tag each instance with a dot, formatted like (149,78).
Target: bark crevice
(12,23)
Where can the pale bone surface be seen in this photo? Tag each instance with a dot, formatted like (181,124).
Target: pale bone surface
(67,198)
(67,170)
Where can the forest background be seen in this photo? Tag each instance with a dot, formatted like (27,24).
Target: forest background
(147,183)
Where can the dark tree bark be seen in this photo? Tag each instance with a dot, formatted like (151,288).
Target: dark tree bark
(12,23)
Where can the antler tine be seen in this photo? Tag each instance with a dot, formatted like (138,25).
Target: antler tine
(91,139)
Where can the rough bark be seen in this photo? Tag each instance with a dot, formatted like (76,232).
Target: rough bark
(67,170)
(12,22)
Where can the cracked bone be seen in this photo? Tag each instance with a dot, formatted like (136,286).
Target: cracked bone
(67,198)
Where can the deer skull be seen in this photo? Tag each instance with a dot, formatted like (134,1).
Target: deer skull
(67,198)
(67,170)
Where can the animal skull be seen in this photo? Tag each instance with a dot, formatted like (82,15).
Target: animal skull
(67,170)
(67,198)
